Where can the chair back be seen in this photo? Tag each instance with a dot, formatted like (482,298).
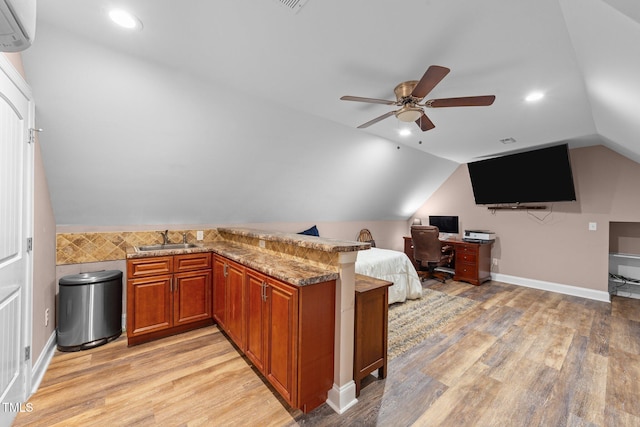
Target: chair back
(426,244)
(365,236)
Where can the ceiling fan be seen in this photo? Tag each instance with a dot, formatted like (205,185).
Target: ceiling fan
(410,94)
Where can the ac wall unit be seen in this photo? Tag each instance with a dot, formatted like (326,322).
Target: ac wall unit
(17,24)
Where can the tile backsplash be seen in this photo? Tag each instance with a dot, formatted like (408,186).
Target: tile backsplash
(79,248)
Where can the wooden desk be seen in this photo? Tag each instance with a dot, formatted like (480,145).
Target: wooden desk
(371,325)
(472,260)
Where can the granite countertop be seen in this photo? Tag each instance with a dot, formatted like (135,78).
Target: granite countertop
(288,270)
(133,252)
(304,241)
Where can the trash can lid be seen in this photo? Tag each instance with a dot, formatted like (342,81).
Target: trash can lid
(93,277)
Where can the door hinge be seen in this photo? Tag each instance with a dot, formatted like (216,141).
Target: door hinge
(27,353)
(29,244)
(32,135)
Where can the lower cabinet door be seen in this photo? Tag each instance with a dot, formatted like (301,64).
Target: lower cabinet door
(282,355)
(192,297)
(219,291)
(235,313)
(149,304)
(256,319)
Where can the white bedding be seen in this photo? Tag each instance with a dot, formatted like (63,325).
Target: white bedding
(393,266)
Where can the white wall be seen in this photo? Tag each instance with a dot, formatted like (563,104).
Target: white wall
(164,147)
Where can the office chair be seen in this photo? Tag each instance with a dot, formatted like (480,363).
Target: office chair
(365,236)
(430,254)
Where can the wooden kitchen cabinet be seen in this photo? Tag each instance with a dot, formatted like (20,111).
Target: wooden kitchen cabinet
(154,266)
(271,330)
(257,318)
(167,295)
(219,291)
(281,330)
(371,328)
(289,335)
(192,300)
(149,305)
(229,299)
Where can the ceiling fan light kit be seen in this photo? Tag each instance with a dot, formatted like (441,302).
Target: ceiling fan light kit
(409,95)
(409,113)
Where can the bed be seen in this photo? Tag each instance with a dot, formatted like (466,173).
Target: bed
(393,266)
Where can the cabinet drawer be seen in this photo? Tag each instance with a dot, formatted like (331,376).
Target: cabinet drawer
(466,271)
(466,257)
(466,249)
(190,262)
(140,267)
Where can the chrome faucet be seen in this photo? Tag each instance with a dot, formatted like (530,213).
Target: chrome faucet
(165,236)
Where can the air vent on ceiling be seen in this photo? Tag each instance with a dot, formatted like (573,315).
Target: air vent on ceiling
(293,5)
(508,140)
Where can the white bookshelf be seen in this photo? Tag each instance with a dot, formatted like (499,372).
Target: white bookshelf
(624,274)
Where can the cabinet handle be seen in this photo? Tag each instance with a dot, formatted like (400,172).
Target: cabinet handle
(171,284)
(264,291)
(225,273)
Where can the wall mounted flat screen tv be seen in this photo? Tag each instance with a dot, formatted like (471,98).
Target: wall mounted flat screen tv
(542,175)
(446,224)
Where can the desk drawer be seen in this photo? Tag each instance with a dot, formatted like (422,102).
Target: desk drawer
(466,271)
(466,257)
(466,248)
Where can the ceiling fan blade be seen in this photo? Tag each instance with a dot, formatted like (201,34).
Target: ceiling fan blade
(467,101)
(370,100)
(376,120)
(429,80)
(425,123)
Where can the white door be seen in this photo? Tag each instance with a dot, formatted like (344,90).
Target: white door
(16,216)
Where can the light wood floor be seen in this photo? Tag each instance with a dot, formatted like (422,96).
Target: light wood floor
(522,358)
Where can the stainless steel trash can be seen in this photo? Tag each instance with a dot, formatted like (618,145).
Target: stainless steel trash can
(89,309)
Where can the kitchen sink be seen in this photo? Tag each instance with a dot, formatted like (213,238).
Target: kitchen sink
(160,247)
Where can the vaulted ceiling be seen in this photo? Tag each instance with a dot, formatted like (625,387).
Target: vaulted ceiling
(228,111)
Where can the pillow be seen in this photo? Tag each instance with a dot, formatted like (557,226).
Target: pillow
(313,231)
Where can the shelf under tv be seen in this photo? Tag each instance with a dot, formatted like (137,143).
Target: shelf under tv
(517,207)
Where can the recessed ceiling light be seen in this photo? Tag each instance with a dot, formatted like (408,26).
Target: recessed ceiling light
(534,96)
(125,19)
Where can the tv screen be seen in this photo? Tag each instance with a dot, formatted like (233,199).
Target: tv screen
(535,176)
(446,224)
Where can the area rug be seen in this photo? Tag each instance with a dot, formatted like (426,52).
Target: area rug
(413,321)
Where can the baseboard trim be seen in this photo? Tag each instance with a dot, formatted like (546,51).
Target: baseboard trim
(553,287)
(343,397)
(41,365)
